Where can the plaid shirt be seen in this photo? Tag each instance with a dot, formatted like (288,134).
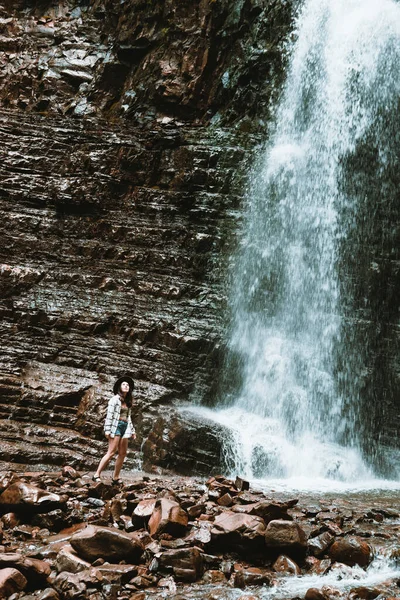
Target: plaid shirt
(112,418)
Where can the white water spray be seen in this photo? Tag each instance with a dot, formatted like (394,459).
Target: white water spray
(291,416)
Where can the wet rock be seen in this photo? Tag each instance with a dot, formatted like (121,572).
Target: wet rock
(286,537)
(36,571)
(10,520)
(69,472)
(364,593)
(187,564)
(48,594)
(213,576)
(251,576)
(316,566)
(69,586)
(351,551)
(11,581)
(268,511)
(94,542)
(241,484)
(196,510)
(68,560)
(315,594)
(225,500)
(238,530)
(284,564)
(168,517)
(145,509)
(22,496)
(54,520)
(319,544)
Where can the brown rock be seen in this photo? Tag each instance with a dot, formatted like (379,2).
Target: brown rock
(69,586)
(286,536)
(11,581)
(214,576)
(196,510)
(120,574)
(318,545)
(187,563)
(21,495)
(316,566)
(351,551)
(104,542)
(364,593)
(168,517)
(268,511)
(284,564)
(241,484)
(315,594)
(230,522)
(48,594)
(69,472)
(225,500)
(10,520)
(36,571)
(145,508)
(251,576)
(68,560)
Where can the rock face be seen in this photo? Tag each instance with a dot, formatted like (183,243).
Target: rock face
(120,186)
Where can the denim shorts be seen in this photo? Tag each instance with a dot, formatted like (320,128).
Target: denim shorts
(121,428)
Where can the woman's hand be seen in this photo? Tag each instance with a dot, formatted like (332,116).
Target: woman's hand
(107,435)
(133,436)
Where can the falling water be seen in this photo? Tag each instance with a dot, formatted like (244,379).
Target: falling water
(291,417)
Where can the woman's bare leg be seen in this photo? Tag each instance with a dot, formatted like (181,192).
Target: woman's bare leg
(122,450)
(112,449)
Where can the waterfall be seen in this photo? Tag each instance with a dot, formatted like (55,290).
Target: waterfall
(297,369)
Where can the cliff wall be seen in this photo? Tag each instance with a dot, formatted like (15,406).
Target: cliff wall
(125,133)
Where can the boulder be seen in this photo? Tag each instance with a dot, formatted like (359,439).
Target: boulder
(68,560)
(22,496)
(318,545)
(364,593)
(268,511)
(11,581)
(284,564)
(187,564)
(168,517)
(286,537)
(103,542)
(315,594)
(240,531)
(251,576)
(145,509)
(10,520)
(69,586)
(351,551)
(34,570)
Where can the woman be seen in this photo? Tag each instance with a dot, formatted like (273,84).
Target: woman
(118,427)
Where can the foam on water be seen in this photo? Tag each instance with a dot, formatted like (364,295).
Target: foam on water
(255,448)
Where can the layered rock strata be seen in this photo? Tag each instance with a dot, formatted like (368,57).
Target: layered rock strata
(117,214)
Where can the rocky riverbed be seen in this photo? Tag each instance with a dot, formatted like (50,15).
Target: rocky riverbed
(153,537)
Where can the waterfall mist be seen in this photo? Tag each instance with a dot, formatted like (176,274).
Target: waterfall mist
(297,352)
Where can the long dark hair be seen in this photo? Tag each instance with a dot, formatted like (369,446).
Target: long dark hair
(128,397)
